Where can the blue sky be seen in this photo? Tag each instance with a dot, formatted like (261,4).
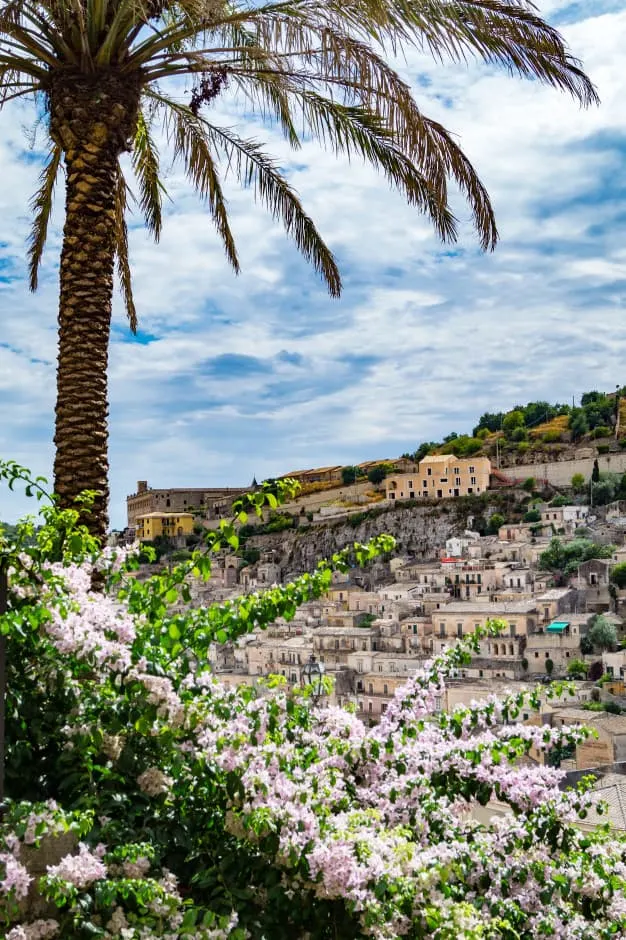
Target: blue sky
(263,373)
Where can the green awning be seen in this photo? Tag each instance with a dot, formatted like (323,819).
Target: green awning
(557,626)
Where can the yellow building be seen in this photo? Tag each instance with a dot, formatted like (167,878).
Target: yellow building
(170,525)
(441,477)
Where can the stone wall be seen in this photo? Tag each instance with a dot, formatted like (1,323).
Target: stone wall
(560,472)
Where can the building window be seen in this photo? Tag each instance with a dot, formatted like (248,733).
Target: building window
(547,655)
(371,689)
(471,469)
(392,496)
(456,472)
(442,629)
(385,689)
(410,484)
(536,655)
(459,629)
(425,484)
(473,480)
(458,481)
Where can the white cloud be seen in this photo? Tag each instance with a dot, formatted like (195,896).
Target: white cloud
(422,341)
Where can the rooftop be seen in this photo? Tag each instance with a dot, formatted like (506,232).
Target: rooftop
(554,594)
(487,606)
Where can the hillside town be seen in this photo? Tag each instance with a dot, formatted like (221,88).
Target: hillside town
(562,615)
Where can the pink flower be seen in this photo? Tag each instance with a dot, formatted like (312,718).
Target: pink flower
(80,870)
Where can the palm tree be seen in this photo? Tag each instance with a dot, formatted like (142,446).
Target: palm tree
(105,72)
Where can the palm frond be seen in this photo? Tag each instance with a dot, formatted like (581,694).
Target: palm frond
(508,33)
(41,205)
(355,130)
(121,250)
(193,146)
(145,160)
(253,167)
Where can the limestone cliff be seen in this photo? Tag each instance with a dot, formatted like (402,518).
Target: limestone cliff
(419,531)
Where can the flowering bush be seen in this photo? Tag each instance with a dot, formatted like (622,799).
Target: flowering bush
(199,811)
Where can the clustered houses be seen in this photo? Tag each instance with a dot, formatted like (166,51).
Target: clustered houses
(371,637)
(375,628)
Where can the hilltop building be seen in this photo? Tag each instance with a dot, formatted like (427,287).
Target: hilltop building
(441,477)
(205,499)
(169,525)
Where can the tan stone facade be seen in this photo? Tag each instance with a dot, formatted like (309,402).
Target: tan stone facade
(441,477)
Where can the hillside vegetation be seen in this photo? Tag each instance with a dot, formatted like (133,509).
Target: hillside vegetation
(599,420)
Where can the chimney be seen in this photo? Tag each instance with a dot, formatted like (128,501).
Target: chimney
(142,486)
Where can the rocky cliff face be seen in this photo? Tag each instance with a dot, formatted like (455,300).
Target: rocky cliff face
(419,531)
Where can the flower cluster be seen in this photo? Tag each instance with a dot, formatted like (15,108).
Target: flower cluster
(80,870)
(304,819)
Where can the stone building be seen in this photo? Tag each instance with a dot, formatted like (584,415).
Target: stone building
(147,500)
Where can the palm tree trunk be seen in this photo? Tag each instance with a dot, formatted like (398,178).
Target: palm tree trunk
(92,120)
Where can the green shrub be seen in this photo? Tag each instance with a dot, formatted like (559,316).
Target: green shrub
(602,448)
(495,521)
(602,431)
(523,447)
(577,669)
(551,437)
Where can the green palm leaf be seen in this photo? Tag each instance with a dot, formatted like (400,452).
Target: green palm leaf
(145,160)
(254,168)
(121,250)
(41,205)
